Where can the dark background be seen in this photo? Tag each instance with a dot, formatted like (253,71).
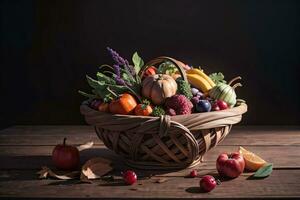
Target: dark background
(47,47)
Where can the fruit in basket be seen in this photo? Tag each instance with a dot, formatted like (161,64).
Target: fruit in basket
(221,104)
(143,109)
(225,92)
(215,107)
(125,104)
(180,104)
(194,91)
(129,177)
(65,157)
(195,100)
(158,87)
(104,107)
(252,161)
(150,71)
(201,74)
(203,105)
(199,82)
(95,104)
(208,183)
(230,165)
(184,88)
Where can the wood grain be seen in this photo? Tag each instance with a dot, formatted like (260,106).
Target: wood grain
(26,157)
(24,149)
(25,184)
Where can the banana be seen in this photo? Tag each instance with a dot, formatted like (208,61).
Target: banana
(202,74)
(199,82)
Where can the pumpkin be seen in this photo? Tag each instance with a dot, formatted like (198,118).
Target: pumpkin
(158,87)
(125,104)
(225,92)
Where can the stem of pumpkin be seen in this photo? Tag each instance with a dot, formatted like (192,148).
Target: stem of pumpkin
(234,79)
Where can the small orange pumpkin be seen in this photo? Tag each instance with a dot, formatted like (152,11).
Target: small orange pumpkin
(158,87)
(124,105)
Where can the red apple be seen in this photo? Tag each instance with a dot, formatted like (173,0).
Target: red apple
(65,157)
(230,165)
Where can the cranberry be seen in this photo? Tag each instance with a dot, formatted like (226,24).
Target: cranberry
(130,177)
(193,173)
(208,183)
(222,104)
(215,107)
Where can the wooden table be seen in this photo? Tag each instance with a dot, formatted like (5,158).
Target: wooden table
(24,149)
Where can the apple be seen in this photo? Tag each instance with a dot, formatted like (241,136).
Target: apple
(65,157)
(230,165)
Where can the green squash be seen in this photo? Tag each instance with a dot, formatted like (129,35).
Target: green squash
(225,92)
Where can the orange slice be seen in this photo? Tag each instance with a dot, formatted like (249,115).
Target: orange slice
(252,161)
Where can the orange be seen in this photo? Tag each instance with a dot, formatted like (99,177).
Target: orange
(252,161)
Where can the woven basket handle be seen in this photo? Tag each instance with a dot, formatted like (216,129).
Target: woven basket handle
(178,64)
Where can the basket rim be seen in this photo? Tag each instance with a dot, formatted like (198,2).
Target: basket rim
(240,109)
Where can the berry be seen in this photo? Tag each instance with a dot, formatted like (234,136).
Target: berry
(203,106)
(194,91)
(130,177)
(222,104)
(215,107)
(208,183)
(193,173)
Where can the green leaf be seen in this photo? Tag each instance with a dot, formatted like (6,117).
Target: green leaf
(92,82)
(217,78)
(264,171)
(138,62)
(103,78)
(90,96)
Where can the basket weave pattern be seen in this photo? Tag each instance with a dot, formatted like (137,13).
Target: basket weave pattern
(166,142)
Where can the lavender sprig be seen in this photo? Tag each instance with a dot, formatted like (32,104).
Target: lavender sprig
(116,57)
(117,71)
(121,61)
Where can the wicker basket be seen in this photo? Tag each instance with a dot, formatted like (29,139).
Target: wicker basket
(166,142)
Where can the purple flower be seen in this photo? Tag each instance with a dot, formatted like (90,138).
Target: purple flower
(121,61)
(116,57)
(117,71)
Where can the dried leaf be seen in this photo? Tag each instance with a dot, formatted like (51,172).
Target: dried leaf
(161,180)
(46,172)
(95,168)
(87,145)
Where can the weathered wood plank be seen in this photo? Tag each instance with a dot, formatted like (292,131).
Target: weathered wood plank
(51,135)
(24,184)
(26,157)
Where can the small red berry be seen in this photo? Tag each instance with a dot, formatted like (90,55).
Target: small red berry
(193,173)
(215,107)
(222,104)
(208,183)
(130,177)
